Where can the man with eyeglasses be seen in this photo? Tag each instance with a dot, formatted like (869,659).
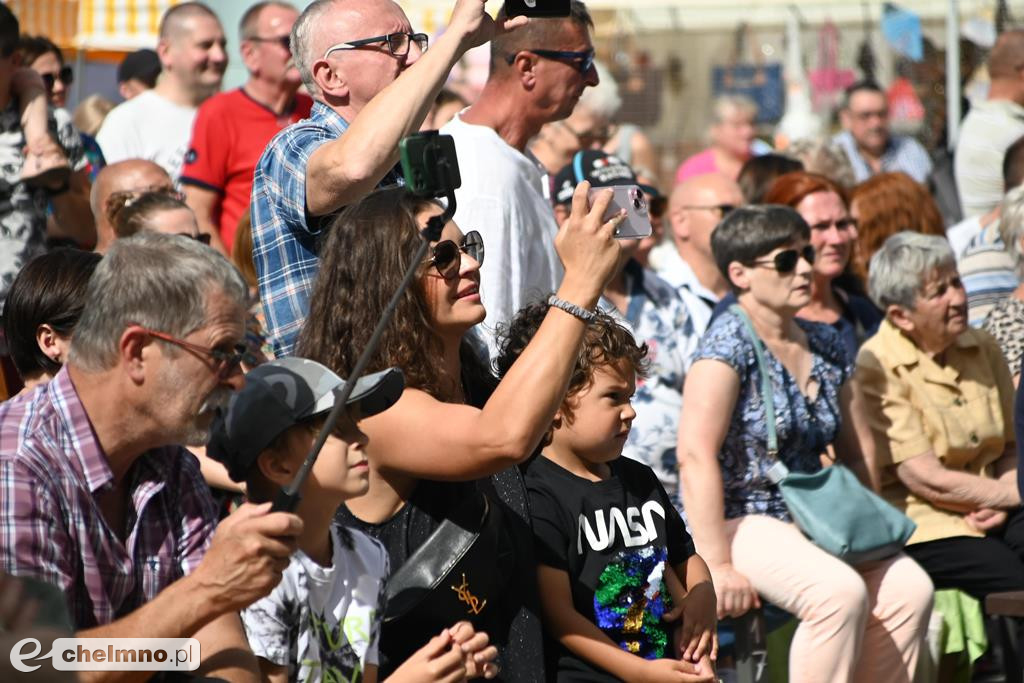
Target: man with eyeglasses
(372,83)
(538,74)
(233,128)
(131,177)
(695,208)
(97,495)
(157,124)
(867,141)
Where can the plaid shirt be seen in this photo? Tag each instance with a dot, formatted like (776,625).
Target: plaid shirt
(903,154)
(284,234)
(52,470)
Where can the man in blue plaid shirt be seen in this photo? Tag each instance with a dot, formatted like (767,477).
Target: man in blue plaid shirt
(372,82)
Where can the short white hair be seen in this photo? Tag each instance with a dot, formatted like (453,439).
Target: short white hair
(1011,227)
(302,41)
(898,271)
(732,102)
(603,99)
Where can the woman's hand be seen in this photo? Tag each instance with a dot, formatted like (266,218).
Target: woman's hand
(736,596)
(587,247)
(985,519)
(697,637)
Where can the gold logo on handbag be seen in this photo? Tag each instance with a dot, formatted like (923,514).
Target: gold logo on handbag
(475,606)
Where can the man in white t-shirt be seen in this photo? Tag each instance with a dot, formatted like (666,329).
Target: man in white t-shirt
(537,75)
(990,127)
(157,124)
(968,231)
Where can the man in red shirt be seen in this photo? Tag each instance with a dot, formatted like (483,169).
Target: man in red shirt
(232,128)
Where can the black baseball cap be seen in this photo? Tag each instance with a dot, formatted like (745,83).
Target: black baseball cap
(599,168)
(143,65)
(280,394)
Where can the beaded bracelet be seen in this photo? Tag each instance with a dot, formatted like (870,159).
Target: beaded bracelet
(571,308)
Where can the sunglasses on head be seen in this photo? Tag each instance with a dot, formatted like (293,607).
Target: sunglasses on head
(785,261)
(65,76)
(447,255)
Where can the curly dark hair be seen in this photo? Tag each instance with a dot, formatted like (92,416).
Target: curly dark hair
(605,341)
(363,259)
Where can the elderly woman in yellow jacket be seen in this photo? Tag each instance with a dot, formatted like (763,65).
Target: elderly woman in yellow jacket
(940,400)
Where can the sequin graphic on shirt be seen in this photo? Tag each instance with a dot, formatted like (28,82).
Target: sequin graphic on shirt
(630,598)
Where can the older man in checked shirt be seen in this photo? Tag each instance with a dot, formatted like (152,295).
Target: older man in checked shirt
(97,498)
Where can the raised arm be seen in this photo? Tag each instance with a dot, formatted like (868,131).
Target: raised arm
(709,399)
(344,170)
(427,438)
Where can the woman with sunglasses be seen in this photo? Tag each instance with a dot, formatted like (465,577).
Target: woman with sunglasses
(863,623)
(455,431)
(836,295)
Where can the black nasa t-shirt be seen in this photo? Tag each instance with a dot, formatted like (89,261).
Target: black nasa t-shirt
(612,538)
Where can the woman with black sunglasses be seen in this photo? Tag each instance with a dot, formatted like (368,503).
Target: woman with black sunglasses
(455,432)
(856,622)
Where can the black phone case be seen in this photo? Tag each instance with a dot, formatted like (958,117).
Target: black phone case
(538,8)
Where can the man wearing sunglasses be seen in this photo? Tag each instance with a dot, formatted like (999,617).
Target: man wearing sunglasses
(538,74)
(695,208)
(98,498)
(157,124)
(233,128)
(373,83)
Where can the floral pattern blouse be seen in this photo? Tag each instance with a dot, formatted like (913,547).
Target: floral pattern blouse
(804,427)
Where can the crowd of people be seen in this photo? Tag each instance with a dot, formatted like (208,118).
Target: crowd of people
(563,460)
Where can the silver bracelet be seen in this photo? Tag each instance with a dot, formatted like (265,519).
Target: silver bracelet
(571,308)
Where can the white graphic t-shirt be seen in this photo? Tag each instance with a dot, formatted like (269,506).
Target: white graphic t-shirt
(323,623)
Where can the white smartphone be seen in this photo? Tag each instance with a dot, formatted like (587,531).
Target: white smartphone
(637,223)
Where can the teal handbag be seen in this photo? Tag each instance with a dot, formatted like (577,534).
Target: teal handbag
(832,508)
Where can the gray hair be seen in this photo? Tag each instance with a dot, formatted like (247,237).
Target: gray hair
(603,99)
(731,102)
(1011,227)
(899,269)
(302,41)
(159,281)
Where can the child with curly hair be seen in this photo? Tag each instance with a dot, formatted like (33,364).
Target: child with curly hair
(616,567)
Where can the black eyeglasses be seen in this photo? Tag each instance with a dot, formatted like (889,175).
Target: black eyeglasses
(227,361)
(447,258)
(65,76)
(722,209)
(785,261)
(398,43)
(283,41)
(582,60)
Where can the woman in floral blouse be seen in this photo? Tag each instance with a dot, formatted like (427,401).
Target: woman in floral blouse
(857,623)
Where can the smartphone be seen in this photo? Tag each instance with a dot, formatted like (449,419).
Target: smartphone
(429,164)
(637,223)
(537,8)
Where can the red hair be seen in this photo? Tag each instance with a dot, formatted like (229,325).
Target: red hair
(792,188)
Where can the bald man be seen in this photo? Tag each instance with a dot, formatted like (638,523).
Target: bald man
(115,185)
(157,124)
(990,127)
(694,209)
(372,85)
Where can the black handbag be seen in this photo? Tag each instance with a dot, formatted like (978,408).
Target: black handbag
(458,574)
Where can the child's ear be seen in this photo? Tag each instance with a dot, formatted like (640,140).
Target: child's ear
(275,467)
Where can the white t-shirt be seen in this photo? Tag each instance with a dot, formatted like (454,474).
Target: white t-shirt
(504,197)
(323,623)
(148,126)
(961,234)
(989,128)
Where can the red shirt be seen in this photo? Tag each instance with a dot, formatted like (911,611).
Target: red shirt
(229,135)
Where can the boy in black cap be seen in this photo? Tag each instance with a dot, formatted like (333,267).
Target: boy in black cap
(322,622)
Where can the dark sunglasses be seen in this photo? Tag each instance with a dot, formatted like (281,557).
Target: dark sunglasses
(582,60)
(202,238)
(447,255)
(284,41)
(65,76)
(785,261)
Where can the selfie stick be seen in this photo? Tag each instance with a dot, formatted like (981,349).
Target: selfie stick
(289,496)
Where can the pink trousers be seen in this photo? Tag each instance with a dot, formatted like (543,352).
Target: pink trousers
(865,623)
